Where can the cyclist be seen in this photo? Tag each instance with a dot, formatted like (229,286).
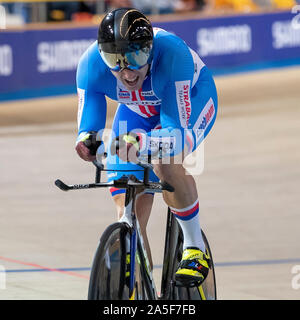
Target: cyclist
(167,105)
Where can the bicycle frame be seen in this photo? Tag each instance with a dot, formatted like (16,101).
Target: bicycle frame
(136,243)
(172,235)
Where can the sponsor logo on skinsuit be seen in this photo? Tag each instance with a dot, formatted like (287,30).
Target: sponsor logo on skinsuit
(166,144)
(123,94)
(147,93)
(183,102)
(204,119)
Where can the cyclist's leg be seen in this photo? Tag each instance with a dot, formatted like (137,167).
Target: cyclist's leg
(184,201)
(143,210)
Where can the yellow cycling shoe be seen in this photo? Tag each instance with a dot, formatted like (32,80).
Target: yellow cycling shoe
(193,268)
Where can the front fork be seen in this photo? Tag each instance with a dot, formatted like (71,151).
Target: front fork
(131,246)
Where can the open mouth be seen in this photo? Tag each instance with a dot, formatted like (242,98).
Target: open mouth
(133,82)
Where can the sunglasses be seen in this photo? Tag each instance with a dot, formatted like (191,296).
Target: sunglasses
(133,60)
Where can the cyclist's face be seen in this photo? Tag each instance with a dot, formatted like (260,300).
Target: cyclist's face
(132,79)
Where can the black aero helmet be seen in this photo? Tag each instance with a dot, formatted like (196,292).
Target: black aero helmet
(125,38)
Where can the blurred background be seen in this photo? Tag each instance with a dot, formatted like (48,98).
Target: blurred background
(24,12)
(249,189)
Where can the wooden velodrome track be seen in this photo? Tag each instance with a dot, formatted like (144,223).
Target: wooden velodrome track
(249,194)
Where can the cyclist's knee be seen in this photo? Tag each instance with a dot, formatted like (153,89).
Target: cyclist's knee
(143,208)
(119,200)
(143,202)
(168,172)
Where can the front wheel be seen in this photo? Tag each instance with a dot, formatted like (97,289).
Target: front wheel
(107,280)
(118,272)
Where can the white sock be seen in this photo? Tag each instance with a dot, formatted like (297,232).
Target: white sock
(188,219)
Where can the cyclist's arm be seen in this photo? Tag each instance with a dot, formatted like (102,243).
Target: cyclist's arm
(91,102)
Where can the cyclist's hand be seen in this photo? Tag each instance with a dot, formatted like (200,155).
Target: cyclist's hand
(127,147)
(84,152)
(87,146)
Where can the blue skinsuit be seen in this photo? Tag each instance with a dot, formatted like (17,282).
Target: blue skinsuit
(178,99)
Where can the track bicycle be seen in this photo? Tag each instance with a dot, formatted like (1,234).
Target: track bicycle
(121,268)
